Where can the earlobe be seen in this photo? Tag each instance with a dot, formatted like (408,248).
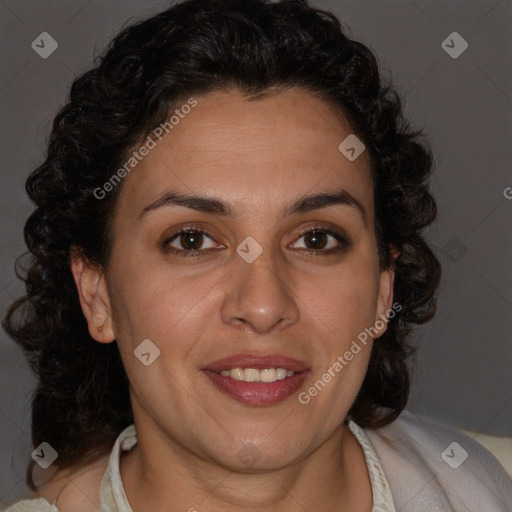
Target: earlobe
(387,281)
(94,298)
(385,300)
(386,287)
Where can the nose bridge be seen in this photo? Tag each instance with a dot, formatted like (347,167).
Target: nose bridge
(259,297)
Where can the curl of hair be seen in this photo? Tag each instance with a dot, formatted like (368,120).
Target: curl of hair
(193,48)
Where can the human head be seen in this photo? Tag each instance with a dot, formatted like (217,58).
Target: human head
(149,70)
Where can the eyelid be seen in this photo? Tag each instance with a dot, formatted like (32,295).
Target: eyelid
(340,236)
(186,229)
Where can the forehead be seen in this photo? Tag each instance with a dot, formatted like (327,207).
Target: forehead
(261,153)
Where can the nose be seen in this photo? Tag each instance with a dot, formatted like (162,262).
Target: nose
(260,296)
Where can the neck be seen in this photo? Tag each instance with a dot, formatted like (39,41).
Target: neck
(160,475)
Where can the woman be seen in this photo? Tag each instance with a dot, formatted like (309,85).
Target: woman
(227,260)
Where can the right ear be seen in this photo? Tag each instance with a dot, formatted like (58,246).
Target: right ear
(93,295)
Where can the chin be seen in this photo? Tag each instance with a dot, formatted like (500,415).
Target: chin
(250,459)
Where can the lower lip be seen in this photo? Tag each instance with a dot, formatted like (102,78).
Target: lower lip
(257,393)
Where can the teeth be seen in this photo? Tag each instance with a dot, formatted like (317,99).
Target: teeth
(251,375)
(237,374)
(254,375)
(268,375)
(281,373)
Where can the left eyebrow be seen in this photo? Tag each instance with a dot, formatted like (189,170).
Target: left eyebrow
(215,206)
(307,204)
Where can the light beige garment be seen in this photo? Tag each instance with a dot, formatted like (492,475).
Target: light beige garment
(432,467)
(499,446)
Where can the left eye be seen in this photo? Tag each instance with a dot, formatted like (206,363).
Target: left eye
(317,240)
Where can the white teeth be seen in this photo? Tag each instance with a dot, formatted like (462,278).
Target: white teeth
(254,375)
(237,374)
(251,375)
(281,374)
(268,375)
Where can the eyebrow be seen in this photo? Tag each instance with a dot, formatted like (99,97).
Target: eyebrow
(215,206)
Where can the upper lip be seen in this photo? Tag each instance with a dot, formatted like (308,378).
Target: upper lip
(258,362)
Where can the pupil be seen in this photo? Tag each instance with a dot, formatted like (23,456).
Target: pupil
(314,237)
(190,240)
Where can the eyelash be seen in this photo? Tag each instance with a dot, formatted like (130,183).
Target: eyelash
(344,243)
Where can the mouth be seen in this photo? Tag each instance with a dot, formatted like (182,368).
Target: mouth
(255,375)
(257,380)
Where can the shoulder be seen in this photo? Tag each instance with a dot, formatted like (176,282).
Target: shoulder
(33,505)
(431,462)
(500,447)
(75,489)
(444,442)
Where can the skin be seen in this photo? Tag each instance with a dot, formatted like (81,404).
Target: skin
(76,489)
(257,156)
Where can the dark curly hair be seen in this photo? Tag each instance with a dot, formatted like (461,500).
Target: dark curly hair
(257,47)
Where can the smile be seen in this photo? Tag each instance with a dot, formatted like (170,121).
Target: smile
(255,375)
(257,380)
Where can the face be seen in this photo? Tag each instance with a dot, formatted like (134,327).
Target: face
(263,280)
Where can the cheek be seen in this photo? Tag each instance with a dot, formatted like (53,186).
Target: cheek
(157,304)
(346,302)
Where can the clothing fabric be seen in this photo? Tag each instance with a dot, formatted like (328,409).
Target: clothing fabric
(415,464)
(499,446)
(432,467)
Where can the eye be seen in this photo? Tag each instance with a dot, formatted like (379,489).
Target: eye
(317,241)
(187,242)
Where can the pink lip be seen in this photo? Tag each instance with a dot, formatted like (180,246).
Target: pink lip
(257,362)
(257,393)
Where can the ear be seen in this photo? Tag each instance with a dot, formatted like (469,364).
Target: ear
(93,295)
(385,298)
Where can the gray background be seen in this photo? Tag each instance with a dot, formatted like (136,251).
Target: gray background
(463,376)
